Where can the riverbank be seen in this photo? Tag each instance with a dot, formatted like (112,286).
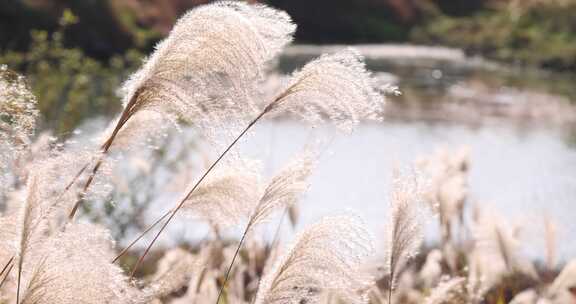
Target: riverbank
(444,84)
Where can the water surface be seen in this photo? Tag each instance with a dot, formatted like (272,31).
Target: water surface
(522,174)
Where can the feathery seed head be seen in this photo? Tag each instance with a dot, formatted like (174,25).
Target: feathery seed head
(450,291)
(142,129)
(285,188)
(405,224)
(228,195)
(496,251)
(204,71)
(324,258)
(74,267)
(174,271)
(337,87)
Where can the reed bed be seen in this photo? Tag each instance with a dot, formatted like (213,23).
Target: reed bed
(208,75)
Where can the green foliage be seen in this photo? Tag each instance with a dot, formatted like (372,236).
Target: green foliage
(69,85)
(541,34)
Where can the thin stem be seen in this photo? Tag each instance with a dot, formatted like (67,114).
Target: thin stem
(141,236)
(6,275)
(86,186)
(272,246)
(7,268)
(73,180)
(128,111)
(391,277)
(20,262)
(7,264)
(277,233)
(232,263)
(175,210)
(104,151)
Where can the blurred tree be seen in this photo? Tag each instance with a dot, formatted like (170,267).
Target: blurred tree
(460,7)
(16,21)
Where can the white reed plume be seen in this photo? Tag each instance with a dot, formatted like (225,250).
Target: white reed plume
(337,87)
(7,248)
(227,196)
(447,170)
(203,282)
(431,271)
(560,289)
(451,291)
(10,227)
(74,266)
(283,191)
(53,171)
(173,273)
(496,251)
(530,296)
(551,240)
(405,225)
(204,70)
(325,257)
(140,130)
(30,217)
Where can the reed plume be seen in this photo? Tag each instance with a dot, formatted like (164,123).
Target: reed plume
(285,188)
(174,272)
(30,217)
(9,228)
(74,266)
(404,227)
(495,253)
(335,87)
(203,71)
(551,240)
(350,98)
(37,285)
(228,195)
(451,291)
(324,258)
(561,289)
(283,191)
(448,191)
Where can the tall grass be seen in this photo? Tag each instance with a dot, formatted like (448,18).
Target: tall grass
(206,75)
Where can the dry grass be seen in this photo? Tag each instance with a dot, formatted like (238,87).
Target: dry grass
(207,74)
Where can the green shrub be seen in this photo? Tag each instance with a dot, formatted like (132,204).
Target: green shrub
(541,34)
(70,86)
